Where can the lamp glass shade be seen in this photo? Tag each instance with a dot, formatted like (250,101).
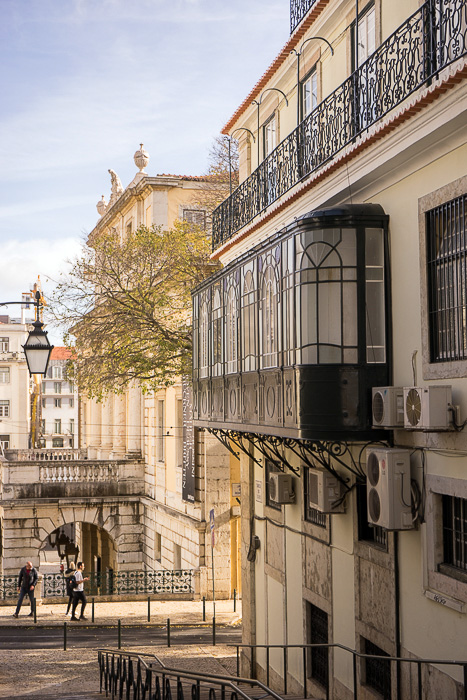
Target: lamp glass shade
(37,350)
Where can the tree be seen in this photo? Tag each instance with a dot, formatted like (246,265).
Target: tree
(221,175)
(126,306)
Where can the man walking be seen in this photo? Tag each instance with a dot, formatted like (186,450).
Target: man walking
(78,592)
(27,580)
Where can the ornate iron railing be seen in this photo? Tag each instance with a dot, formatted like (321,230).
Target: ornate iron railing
(298,10)
(110,583)
(139,676)
(428,41)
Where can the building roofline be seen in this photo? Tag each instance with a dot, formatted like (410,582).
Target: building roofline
(277,63)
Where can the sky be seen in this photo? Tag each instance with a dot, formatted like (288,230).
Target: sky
(84,82)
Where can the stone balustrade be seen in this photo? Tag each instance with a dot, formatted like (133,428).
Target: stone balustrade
(78,471)
(45,455)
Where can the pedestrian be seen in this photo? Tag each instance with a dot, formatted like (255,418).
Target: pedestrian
(27,580)
(78,592)
(69,574)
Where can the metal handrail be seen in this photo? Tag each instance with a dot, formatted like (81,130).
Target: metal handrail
(224,681)
(355,655)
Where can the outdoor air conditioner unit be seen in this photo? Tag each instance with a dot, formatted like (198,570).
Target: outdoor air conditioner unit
(324,491)
(281,488)
(388,407)
(427,407)
(388,488)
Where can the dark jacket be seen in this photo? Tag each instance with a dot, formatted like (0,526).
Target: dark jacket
(69,574)
(23,578)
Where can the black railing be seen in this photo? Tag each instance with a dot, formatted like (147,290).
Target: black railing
(298,10)
(136,676)
(358,677)
(110,583)
(431,39)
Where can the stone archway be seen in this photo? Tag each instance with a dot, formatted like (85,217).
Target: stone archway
(27,526)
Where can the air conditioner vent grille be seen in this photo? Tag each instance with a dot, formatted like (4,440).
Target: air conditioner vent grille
(413,407)
(378,408)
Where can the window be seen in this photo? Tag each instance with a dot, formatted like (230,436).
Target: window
(57,426)
(57,442)
(4,442)
(158,547)
(43,426)
(249,304)
(44,402)
(217,335)
(373,534)
(269,136)
(446,247)
(4,375)
(195,216)
(455,532)
(269,310)
(160,429)
(309,93)
(71,387)
(57,388)
(177,557)
(4,408)
(231,326)
(72,403)
(203,338)
(377,671)
(129,228)
(368,100)
(72,426)
(366,35)
(58,403)
(4,344)
(312,515)
(317,633)
(57,372)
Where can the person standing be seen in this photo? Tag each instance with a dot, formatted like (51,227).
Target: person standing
(69,574)
(78,592)
(27,580)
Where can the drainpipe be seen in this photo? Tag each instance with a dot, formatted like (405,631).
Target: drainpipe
(397,616)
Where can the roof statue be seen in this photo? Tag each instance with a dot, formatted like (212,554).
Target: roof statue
(116,186)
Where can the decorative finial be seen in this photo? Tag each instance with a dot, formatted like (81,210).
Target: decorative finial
(101,206)
(141,158)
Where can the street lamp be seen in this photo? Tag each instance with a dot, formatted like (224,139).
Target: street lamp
(37,348)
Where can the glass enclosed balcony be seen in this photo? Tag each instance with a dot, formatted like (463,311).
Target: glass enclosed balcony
(291,337)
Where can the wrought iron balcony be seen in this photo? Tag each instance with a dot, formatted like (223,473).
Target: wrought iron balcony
(298,10)
(428,41)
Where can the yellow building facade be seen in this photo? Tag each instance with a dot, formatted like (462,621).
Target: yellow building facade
(331,353)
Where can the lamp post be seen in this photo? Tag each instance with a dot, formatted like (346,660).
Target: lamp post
(37,348)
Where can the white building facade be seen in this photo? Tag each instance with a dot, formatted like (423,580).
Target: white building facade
(59,404)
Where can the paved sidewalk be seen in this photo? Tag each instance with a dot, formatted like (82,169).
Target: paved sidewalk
(180,612)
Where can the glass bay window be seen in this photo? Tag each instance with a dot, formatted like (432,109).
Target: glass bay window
(300,323)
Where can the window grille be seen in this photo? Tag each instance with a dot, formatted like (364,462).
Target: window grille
(195,216)
(377,671)
(447,280)
(455,531)
(317,623)
(4,408)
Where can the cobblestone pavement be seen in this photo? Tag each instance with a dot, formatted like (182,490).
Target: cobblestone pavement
(48,674)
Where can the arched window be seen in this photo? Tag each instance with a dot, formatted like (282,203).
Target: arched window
(249,306)
(231,329)
(327,297)
(269,314)
(217,335)
(203,339)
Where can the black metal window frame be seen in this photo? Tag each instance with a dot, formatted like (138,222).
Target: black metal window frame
(312,515)
(318,633)
(446,231)
(429,40)
(455,532)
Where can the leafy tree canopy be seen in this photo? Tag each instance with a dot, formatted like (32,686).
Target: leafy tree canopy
(126,306)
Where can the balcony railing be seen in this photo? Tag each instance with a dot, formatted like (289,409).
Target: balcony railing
(428,41)
(298,10)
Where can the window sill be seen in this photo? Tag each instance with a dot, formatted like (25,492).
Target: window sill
(453,572)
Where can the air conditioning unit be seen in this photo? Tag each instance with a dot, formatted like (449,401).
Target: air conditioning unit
(427,407)
(281,488)
(324,491)
(389,500)
(388,407)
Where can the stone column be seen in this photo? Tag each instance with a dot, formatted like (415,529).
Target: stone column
(134,417)
(120,423)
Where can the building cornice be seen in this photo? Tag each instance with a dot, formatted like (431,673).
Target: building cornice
(277,63)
